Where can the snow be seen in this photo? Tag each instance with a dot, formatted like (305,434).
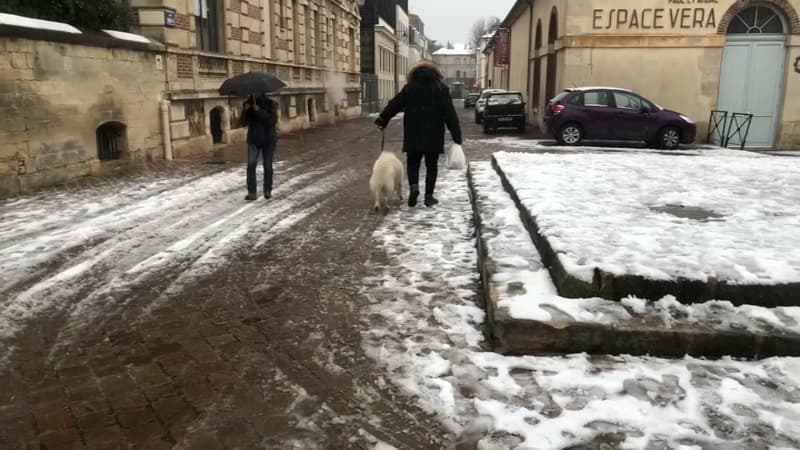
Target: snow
(528,292)
(425,326)
(117,238)
(457,50)
(600,211)
(28,22)
(127,36)
(550,146)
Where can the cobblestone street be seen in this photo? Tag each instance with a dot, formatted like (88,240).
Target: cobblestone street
(195,320)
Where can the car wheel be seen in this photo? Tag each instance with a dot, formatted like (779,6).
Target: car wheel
(570,134)
(669,138)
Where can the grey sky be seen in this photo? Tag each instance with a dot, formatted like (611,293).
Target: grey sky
(451,19)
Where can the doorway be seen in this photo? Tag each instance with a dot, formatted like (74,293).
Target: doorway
(217,130)
(753,68)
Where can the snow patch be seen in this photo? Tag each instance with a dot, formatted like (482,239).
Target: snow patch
(128,36)
(28,22)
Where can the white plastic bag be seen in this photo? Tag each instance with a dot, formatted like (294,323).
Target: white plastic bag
(455,159)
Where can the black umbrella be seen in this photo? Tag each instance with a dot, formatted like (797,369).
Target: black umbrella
(251,83)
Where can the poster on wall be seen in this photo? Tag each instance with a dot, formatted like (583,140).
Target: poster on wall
(502,50)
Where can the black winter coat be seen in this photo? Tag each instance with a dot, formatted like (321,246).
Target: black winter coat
(260,124)
(428,109)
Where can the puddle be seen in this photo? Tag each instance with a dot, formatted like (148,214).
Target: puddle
(689,212)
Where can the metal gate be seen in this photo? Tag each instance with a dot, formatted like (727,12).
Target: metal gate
(111,141)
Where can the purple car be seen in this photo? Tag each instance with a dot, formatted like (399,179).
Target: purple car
(613,114)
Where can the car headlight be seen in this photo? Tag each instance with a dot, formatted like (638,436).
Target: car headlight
(686,119)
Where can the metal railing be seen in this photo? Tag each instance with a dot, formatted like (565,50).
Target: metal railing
(726,127)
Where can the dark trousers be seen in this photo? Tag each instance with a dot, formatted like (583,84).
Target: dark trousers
(267,154)
(431,172)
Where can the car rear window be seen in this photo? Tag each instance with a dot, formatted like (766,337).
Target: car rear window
(505,99)
(560,96)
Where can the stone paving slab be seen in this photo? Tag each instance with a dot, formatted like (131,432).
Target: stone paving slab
(527,316)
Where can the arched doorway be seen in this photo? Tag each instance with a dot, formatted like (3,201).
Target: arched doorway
(217,116)
(753,68)
(112,141)
(552,70)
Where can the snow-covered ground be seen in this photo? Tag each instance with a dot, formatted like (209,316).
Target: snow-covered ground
(92,244)
(527,291)
(550,146)
(603,211)
(425,326)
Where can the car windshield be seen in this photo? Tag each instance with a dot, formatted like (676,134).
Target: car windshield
(505,99)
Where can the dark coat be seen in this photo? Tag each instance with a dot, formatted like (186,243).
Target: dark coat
(428,109)
(260,124)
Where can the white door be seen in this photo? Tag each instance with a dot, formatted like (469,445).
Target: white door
(753,64)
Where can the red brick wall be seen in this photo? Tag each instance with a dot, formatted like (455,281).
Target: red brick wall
(238,67)
(236,33)
(254,12)
(183,21)
(185,66)
(256,38)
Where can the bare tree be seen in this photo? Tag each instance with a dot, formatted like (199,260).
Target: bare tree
(482,27)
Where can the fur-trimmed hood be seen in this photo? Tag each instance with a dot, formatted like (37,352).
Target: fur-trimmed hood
(425,70)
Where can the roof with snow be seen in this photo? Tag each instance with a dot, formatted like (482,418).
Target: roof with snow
(458,49)
(38,29)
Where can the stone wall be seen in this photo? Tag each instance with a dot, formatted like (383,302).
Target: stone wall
(55,95)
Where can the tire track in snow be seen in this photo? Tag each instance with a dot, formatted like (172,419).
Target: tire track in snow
(45,239)
(113,262)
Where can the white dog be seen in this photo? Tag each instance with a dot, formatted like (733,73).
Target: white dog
(387,180)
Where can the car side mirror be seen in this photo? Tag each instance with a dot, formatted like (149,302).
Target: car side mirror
(644,110)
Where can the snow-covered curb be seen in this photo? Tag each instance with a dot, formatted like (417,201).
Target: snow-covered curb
(524,305)
(601,217)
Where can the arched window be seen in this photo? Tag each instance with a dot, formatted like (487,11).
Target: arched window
(552,30)
(112,141)
(757,20)
(216,117)
(538,40)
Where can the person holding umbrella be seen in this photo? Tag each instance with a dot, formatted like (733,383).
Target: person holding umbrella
(260,116)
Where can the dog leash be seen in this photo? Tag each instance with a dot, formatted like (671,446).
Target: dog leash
(383,138)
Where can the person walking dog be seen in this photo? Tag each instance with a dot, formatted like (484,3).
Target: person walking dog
(260,116)
(428,108)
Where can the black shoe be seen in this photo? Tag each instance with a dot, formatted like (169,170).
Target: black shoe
(430,201)
(251,197)
(412,198)
(267,195)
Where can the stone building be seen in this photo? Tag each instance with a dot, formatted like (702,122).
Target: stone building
(312,45)
(483,61)
(385,50)
(738,56)
(76,103)
(459,66)
(418,43)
